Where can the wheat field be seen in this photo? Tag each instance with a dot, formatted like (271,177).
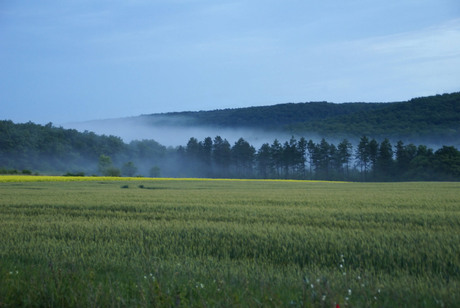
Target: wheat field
(87,242)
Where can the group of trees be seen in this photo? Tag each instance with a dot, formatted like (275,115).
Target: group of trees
(369,160)
(432,119)
(49,149)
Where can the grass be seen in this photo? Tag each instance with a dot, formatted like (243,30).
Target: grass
(53,178)
(228,243)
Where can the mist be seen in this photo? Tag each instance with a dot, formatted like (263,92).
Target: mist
(188,150)
(174,131)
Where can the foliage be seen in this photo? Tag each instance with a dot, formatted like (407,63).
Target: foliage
(48,148)
(295,159)
(75,174)
(302,159)
(433,119)
(129,169)
(228,243)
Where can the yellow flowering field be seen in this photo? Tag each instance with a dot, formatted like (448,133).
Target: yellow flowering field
(54,178)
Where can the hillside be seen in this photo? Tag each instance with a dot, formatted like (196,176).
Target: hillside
(275,117)
(434,117)
(35,148)
(426,119)
(48,148)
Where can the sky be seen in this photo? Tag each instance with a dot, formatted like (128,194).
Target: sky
(70,61)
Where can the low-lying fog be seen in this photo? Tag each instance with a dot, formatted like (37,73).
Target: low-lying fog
(173,133)
(176,131)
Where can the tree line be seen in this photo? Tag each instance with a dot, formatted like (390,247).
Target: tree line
(369,160)
(47,149)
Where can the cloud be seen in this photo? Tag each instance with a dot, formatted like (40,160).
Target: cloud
(442,41)
(388,67)
(96,59)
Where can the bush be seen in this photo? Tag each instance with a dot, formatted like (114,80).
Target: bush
(74,174)
(129,169)
(112,171)
(8,171)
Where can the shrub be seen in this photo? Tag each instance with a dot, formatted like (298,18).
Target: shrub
(112,171)
(74,174)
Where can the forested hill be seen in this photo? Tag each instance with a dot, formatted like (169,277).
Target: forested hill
(434,117)
(276,117)
(35,148)
(427,119)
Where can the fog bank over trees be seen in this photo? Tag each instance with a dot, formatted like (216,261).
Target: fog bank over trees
(432,120)
(173,130)
(49,149)
(413,140)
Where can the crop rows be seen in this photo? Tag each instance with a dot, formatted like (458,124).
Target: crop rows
(227,243)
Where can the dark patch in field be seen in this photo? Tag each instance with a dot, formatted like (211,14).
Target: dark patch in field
(146,187)
(126,186)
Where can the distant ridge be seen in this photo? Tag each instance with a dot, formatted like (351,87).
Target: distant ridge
(277,116)
(427,119)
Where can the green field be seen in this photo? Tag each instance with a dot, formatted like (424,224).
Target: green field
(229,243)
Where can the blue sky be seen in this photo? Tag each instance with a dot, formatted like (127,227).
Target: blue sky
(65,61)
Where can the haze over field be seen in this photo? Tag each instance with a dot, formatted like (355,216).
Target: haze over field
(75,61)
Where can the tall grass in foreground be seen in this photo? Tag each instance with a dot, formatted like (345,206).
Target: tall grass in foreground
(229,243)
